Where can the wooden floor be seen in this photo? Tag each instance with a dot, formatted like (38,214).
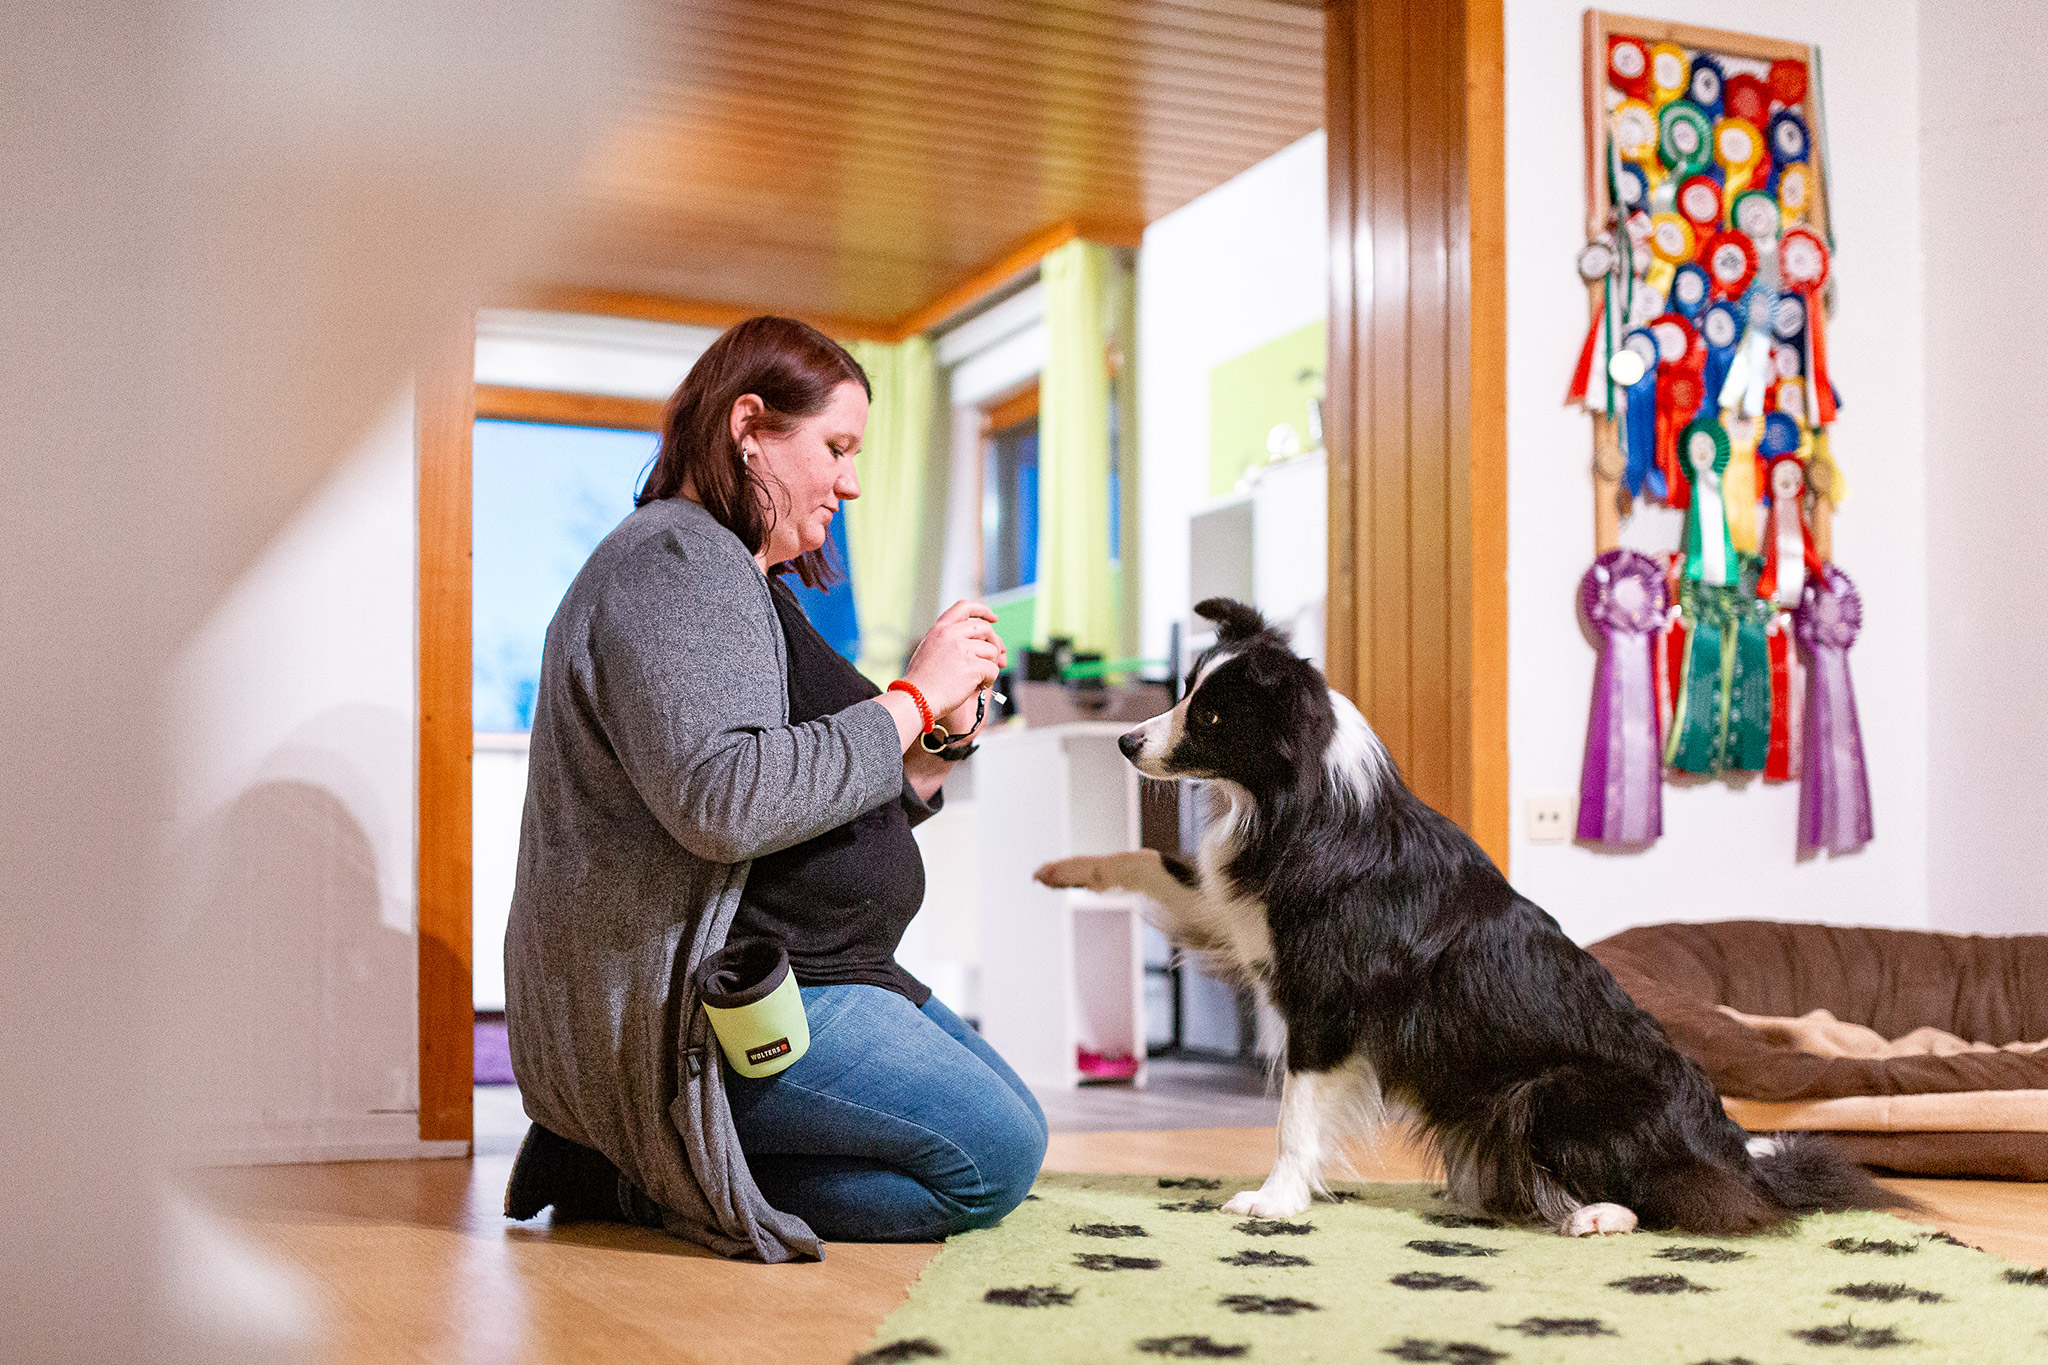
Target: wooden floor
(411,1261)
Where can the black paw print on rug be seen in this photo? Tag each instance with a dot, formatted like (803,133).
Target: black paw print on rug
(1190,1348)
(1190,1182)
(1560,1327)
(1701,1255)
(1274,1258)
(1107,1229)
(1274,1227)
(1863,1246)
(1259,1303)
(1453,1249)
(1448,1352)
(1191,1206)
(1030,1296)
(1430,1279)
(1875,1292)
(1659,1284)
(2037,1278)
(1849,1334)
(1459,1220)
(896,1352)
(1102,1260)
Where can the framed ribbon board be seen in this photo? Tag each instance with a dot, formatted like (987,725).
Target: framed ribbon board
(1704,368)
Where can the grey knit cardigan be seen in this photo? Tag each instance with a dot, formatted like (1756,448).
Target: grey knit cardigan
(663,763)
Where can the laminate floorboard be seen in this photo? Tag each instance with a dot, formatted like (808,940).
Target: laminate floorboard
(411,1260)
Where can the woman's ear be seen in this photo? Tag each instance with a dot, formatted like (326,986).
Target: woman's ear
(746,411)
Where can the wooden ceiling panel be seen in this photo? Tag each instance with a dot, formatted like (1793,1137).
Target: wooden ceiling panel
(858,159)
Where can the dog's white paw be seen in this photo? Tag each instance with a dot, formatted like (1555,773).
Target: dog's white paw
(1267,1202)
(1589,1219)
(1083,872)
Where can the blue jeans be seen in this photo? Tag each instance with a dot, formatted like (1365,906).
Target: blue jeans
(898,1125)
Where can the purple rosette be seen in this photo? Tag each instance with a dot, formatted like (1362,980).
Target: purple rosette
(1834,788)
(1621,786)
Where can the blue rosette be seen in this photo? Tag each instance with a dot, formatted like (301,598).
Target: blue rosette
(1691,287)
(1704,89)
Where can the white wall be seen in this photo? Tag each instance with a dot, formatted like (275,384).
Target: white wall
(1983,115)
(1727,852)
(1243,264)
(294,708)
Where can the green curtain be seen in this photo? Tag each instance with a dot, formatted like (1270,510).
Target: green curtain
(1077,594)
(885,525)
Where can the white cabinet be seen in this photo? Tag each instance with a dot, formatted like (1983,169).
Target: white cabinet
(1060,970)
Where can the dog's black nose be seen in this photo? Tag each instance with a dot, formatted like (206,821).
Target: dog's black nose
(1130,743)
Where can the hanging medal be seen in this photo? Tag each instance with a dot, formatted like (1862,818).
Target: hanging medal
(1743,96)
(1628,66)
(1670,73)
(1596,267)
(1786,82)
(1634,368)
(1621,786)
(1794,186)
(1834,790)
(1635,134)
(1684,140)
(1682,359)
(1803,265)
(1704,89)
(1739,150)
(1709,557)
(1720,327)
(1787,137)
(1699,203)
(1742,483)
(1789,556)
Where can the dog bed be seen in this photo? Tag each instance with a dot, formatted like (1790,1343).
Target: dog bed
(1961,1091)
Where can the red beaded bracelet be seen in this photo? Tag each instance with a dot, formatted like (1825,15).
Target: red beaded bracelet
(924,709)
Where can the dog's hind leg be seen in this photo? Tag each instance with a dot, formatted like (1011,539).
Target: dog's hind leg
(1318,1111)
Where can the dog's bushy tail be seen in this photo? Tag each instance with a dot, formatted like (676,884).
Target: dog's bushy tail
(1806,1173)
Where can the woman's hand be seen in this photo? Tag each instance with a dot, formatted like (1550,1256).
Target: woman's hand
(959,656)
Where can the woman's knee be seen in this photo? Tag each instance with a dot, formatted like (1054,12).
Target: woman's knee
(1007,1167)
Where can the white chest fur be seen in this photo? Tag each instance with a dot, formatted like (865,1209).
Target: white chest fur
(1234,923)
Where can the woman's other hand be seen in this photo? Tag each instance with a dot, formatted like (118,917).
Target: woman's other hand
(958,657)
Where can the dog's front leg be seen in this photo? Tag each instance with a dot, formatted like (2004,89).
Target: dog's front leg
(1305,1138)
(1145,871)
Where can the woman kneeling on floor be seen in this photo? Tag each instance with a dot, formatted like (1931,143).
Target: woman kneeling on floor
(705,768)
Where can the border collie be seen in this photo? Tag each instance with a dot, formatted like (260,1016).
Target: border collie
(1410,973)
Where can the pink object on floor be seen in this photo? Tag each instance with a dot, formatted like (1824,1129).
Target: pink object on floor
(1106,1066)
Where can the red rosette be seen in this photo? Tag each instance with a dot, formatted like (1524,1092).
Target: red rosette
(1745,97)
(1699,203)
(1787,81)
(1628,66)
(1681,389)
(1730,259)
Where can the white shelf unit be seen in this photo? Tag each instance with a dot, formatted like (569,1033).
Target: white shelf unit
(1060,969)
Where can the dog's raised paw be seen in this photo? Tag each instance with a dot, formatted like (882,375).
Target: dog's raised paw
(1591,1219)
(1267,1204)
(1069,872)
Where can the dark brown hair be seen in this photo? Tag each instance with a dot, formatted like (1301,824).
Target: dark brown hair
(793,369)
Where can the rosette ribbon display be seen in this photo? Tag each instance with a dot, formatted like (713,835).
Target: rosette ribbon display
(1621,786)
(1721,708)
(1834,790)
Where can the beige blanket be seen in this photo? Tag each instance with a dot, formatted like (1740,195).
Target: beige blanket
(1823,1035)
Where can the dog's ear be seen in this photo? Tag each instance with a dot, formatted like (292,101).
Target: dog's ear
(1234,620)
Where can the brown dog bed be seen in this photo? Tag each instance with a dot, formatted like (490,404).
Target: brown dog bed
(1981,1111)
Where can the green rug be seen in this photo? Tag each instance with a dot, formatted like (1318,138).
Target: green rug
(1137,1268)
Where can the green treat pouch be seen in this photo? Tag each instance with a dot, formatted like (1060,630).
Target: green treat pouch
(751,997)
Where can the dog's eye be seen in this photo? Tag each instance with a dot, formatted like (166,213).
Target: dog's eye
(1206,718)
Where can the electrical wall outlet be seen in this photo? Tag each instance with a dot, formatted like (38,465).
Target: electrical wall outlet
(1550,819)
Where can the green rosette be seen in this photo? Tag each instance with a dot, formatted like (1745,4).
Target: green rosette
(1685,139)
(1699,712)
(1748,688)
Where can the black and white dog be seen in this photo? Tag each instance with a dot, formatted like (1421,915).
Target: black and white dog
(1409,972)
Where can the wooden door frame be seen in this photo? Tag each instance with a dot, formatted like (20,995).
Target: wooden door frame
(1416,416)
(449,404)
